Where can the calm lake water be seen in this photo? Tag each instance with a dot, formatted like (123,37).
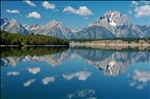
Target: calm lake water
(66,73)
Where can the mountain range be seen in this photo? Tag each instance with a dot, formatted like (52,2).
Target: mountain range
(111,63)
(112,24)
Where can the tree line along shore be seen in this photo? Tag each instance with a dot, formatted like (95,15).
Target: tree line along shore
(17,39)
(31,39)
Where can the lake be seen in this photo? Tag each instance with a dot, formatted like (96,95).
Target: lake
(74,73)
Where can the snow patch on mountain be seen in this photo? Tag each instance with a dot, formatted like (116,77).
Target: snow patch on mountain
(112,23)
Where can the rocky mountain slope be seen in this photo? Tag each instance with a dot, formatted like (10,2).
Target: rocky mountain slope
(96,32)
(12,26)
(111,24)
(119,24)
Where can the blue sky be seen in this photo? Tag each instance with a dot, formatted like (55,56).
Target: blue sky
(74,14)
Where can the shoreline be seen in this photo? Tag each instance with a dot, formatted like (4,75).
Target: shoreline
(30,45)
(103,44)
(78,44)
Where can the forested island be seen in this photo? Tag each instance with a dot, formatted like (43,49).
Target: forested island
(31,39)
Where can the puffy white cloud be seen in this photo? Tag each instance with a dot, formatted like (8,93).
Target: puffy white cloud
(48,5)
(34,15)
(28,83)
(83,10)
(130,12)
(86,93)
(135,3)
(13,73)
(141,76)
(140,79)
(81,75)
(142,11)
(30,3)
(12,11)
(47,80)
(83,93)
(34,70)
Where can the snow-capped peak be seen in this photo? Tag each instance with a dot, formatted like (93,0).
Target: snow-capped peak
(112,23)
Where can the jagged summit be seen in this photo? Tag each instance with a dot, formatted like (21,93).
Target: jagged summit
(14,21)
(12,26)
(119,24)
(112,18)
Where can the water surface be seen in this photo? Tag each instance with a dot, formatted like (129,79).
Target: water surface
(67,73)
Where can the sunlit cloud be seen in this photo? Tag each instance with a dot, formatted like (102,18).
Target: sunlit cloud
(29,82)
(30,3)
(13,73)
(140,79)
(13,11)
(34,15)
(81,75)
(83,93)
(83,10)
(142,11)
(34,70)
(86,94)
(48,5)
(47,80)
(141,76)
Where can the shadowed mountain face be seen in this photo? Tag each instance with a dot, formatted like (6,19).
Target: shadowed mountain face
(112,63)
(94,32)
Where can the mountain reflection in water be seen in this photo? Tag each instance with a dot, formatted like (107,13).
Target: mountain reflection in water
(83,73)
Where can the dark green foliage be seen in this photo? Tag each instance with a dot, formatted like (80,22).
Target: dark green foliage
(38,51)
(31,39)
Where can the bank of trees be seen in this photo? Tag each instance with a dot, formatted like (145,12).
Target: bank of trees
(31,39)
